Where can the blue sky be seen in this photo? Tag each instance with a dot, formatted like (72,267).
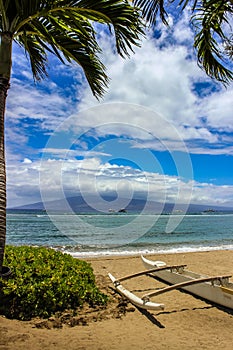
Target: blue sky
(163,131)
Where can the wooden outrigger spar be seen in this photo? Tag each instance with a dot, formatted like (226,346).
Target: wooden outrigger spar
(145,272)
(217,289)
(185,284)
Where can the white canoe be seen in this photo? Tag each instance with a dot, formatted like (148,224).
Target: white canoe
(134,299)
(216,289)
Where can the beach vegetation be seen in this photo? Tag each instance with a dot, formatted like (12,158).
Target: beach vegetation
(45,281)
(66,29)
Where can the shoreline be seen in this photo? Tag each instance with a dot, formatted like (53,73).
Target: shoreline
(127,253)
(187,322)
(218,260)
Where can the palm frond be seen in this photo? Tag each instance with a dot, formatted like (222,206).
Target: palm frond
(210,38)
(127,24)
(4,23)
(65,28)
(151,9)
(229,47)
(69,46)
(36,54)
(120,15)
(192,3)
(75,48)
(123,20)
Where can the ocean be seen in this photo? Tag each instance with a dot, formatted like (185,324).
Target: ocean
(95,235)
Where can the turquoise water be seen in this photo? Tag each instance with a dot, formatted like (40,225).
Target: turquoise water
(106,234)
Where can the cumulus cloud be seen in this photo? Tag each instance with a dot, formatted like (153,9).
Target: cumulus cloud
(217,108)
(165,80)
(30,101)
(160,79)
(56,179)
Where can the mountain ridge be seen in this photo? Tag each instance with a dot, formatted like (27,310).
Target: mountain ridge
(105,204)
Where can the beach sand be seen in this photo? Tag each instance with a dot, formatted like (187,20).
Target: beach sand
(186,322)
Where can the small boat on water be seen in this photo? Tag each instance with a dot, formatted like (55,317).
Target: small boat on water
(214,289)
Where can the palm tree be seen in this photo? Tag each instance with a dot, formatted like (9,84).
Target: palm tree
(63,28)
(211,23)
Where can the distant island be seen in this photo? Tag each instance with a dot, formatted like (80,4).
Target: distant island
(78,204)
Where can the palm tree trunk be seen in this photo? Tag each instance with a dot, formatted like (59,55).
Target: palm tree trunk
(4,86)
(5,72)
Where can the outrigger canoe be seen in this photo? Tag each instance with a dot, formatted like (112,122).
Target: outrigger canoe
(144,302)
(216,289)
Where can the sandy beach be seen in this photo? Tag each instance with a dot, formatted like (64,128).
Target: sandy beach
(186,322)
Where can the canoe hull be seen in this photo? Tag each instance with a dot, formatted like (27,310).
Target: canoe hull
(218,294)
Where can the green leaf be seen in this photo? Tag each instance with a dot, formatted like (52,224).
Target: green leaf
(44,282)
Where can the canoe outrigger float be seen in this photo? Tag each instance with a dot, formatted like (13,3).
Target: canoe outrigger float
(216,289)
(134,299)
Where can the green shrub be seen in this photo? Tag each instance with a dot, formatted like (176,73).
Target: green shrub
(45,281)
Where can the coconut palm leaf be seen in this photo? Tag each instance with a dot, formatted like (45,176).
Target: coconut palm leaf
(65,28)
(229,47)
(209,21)
(151,9)
(78,45)
(37,55)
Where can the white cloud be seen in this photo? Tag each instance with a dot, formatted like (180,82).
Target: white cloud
(217,108)
(28,101)
(70,154)
(164,80)
(27,161)
(160,79)
(91,176)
